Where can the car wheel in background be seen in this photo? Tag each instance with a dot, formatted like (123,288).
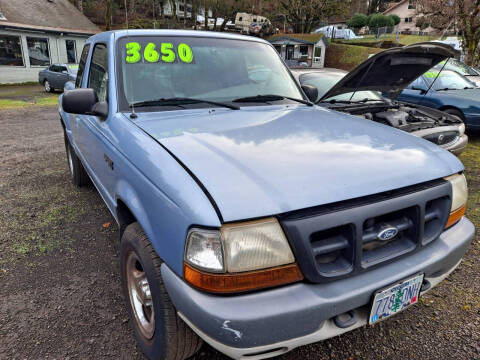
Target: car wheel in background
(456,113)
(160,332)
(77,172)
(47,86)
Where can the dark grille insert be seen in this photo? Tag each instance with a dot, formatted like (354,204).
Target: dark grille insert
(443,138)
(436,214)
(333,250)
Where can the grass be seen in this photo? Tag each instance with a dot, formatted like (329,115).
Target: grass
(347,57)
(20,96)
(13,104)
(402,39)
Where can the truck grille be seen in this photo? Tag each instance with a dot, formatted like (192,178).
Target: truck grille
(340,240)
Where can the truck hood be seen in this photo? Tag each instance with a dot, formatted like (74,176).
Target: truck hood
(266,160)
(392,70)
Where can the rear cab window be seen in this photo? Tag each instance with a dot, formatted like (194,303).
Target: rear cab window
(81,65)
(98,74)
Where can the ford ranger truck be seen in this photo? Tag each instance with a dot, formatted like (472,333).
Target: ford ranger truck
(249,217)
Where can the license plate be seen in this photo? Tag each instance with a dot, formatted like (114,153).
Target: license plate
(395,298)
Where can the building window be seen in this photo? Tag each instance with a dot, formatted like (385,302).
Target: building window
(2,17)
(278,48)
(11,51)
(71,51)
(38,51)
(303,49)
(408,20)
(412,4)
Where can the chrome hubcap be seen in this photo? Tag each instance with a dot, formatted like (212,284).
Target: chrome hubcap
(140,296)
(47,86)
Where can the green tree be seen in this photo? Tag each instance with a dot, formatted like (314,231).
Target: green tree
(358,21)
(379,20)
(395,18)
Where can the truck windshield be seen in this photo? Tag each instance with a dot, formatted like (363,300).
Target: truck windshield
(221,70)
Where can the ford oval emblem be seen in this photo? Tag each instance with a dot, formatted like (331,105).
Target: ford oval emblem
(387,234)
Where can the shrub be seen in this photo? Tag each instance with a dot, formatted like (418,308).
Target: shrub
(380,20)
(358,21)
(395,18)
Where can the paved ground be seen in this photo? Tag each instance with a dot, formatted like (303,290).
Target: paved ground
(60,295)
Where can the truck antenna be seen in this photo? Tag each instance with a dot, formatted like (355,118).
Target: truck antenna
(133,115)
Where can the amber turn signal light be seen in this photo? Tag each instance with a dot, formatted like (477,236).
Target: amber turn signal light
(455,216)
(241,282)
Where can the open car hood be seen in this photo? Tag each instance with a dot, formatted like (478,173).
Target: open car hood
(392,70)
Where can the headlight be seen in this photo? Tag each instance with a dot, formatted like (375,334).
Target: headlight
(240,257)
(255,245)
(459,198)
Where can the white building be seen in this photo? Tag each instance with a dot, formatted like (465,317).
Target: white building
(37,33)
(301,50)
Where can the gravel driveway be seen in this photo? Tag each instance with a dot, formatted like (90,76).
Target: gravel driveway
(60,295)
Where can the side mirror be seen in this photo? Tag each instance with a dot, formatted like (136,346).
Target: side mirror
(311,92)
(84,102)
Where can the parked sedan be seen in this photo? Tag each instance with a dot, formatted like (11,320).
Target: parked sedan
(342,91)
(56,75)
(447,91)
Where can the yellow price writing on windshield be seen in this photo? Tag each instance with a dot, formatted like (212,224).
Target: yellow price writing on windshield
(166,54)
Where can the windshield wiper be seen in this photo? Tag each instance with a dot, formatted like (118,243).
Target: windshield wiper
(270,97)
(181,101)
(447,89)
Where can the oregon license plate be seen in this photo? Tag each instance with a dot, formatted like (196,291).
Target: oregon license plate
(395,298)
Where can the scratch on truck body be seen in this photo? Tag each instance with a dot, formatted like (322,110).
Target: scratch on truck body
(237,333)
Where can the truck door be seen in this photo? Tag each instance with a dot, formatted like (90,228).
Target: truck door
(92,131)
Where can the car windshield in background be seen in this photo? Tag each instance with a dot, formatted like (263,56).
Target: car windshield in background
(448,80)
(324,82)
(458,66)
(155,69)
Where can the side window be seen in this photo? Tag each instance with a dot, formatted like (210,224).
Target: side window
(52,68)
(81,66)
(62,69)
(98,74)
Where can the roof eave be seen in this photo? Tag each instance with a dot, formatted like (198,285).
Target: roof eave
(26,27)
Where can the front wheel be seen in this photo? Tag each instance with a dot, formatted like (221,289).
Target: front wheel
(77,172)
(160,332)
(47,86)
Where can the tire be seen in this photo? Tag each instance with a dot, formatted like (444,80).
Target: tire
(77,172)
(456,113)
(160,332)
(48,88)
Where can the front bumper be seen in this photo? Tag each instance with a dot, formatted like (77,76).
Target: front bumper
(267,323)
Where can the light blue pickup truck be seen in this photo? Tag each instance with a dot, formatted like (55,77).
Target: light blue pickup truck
(249,217)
